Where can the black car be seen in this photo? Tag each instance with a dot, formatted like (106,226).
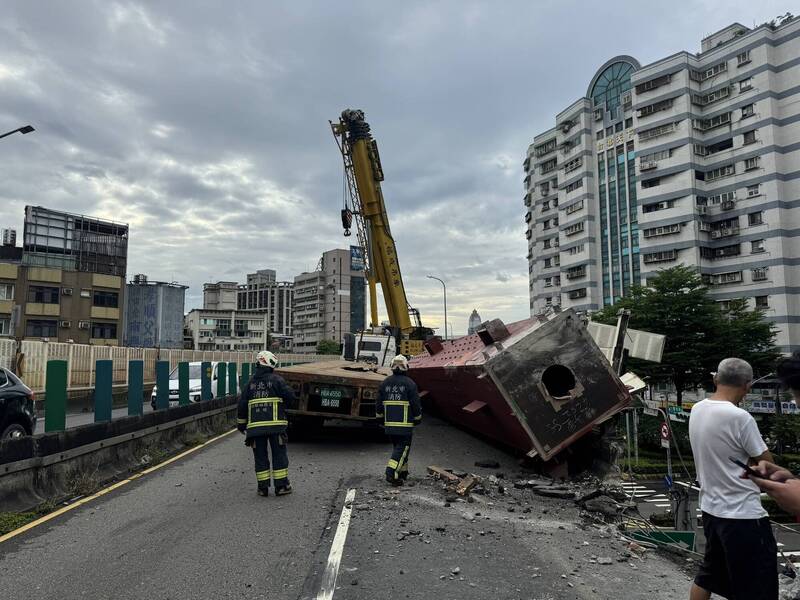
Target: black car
(17,415)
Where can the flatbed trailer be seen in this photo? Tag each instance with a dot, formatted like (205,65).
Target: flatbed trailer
(334,390)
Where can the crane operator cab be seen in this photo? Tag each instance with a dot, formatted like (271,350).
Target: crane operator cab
(376,347)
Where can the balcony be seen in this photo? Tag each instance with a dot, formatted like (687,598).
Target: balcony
(576,272)
(648,165)
(724,232)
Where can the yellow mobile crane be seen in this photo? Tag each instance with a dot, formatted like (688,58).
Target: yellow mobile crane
(363,176)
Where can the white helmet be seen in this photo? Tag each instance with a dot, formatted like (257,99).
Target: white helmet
(265,358)
(399,363)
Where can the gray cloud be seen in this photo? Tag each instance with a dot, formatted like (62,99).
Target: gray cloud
(205,126)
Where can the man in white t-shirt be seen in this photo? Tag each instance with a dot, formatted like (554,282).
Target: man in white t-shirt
(740,560)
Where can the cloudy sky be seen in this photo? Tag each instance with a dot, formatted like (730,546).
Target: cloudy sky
(204,125)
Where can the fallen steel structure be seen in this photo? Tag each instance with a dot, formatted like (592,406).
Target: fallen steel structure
(536,385)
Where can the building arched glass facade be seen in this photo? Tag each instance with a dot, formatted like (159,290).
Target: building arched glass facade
(610,92)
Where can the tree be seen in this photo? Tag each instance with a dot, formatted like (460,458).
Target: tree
(699,334)
(327,347)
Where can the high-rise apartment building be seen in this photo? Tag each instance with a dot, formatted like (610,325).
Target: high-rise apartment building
(153,314)
(329,301)
(263,292)
(691,160)
(221,295)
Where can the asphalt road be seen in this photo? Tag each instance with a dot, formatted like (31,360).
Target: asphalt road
(196,529)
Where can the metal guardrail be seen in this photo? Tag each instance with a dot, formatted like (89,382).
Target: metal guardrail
(82,359)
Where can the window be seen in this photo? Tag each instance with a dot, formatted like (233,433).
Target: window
(650,183)
(628,122)
(598,114)
(575,294)
(723,278)
(574,186)
(759,274)
(746,84)
(546,224)
(653,83)
(665,230)
(43,294)
(648,208)
(653,156)
(104,331)
(545,148)
(753,190)
(708,73)
(549,166)
(762,301)
(107,299)
(576,249)
(757,246)
(548,262)
(573,229)
(609,131)
(755,218)
(6,291)
(719,173)
(599,135)
(555,222)
(750,137)
(752,163)
(713,122)
(546,244)
(41,328)
(664,256)
(545,188)
(5,326)
(748,110)
(743,58)
(574,207)
(548,282)
(655,107)
(716,199)
(711,97)
(655,132)
(545,205)
(573,164)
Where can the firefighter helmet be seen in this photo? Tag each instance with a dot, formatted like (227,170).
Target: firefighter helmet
(265,358)
(399,363)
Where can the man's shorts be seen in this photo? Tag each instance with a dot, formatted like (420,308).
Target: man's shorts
(740,562)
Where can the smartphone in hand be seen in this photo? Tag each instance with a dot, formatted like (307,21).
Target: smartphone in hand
(750,472)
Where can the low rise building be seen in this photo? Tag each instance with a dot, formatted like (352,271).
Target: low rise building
(225,330)
(154,314)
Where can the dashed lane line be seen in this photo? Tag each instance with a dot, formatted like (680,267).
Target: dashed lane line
(104,491)
(328,586)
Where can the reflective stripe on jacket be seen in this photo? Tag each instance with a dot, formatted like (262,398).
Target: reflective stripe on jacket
(398,404)
(262,405)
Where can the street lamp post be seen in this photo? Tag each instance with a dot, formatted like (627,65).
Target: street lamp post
(444,292)
(22,130)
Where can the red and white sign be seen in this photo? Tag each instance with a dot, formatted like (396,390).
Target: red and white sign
(664,435)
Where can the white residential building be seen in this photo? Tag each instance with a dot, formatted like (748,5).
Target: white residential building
(693,159)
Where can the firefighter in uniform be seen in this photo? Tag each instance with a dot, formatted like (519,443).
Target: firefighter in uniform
(398,404)
(262,418)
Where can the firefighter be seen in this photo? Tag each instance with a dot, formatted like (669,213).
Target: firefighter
(399,407)
(262,418)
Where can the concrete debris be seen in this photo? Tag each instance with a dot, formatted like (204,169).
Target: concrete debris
(604,505)
(604,560)
(789,588)
(456,570)
(554,492)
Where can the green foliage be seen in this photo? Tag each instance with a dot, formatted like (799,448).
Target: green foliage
(328,347)
(699,334)
(9,521)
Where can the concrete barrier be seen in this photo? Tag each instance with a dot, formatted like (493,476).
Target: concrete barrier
(59,465)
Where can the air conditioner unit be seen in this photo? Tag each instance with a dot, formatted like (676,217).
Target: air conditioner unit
(65,324)
(83,325)
(66,291)
(704,226)
(716,233)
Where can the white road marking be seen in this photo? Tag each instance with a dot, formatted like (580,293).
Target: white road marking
(662,505)
(335,556)
(656,500)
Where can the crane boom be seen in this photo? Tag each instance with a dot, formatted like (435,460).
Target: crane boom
(364,174)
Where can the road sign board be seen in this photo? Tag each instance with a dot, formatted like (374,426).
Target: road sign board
(668,482)
(650,411)
(664,435)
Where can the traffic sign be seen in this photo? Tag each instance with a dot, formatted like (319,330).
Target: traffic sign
(668,481)
(650,411)
(664,435)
